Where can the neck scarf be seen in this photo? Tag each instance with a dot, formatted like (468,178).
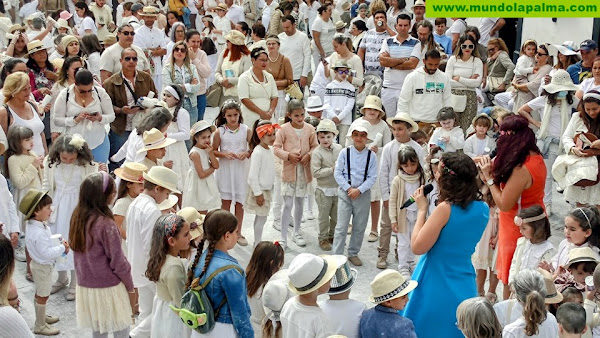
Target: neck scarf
(401,214)
(565,115)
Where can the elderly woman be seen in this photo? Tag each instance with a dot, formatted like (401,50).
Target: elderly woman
(322,31)
(66,78)
(281,68)
(257,90)
(342,46)
(232,63)
(177,34)
(86,109)
(500,66)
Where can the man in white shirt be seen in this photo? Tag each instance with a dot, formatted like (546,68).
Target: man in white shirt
(295,46)
(370,45)
(111,57)
(399,55)
(489,28)
(152,41)
(136,17)
(425,91)
(270,6)
(235,13)
(103,16)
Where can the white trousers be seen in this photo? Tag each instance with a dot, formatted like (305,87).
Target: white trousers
(145,299)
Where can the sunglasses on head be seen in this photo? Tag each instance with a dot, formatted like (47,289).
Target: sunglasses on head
(343,72)
(131,58)
(464,46)
(128,33)
(179,49)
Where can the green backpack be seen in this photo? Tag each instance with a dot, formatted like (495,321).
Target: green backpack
(196,310)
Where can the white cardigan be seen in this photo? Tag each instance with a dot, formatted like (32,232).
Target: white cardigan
(470,146)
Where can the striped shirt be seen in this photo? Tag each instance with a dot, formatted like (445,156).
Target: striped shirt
(411,47)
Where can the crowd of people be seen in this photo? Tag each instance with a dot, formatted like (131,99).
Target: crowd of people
(113,175)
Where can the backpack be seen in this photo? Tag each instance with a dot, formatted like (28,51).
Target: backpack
(196,311)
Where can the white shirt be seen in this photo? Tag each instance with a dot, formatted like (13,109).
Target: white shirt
(459,26)
(87,23)
(223,24)
(344,316)
(456,139)
(588,84)
(297,49)
(508,311)
(524,65)
(340,98)
(28,9)
(301,321)
(262,170)
(40,246)
(13,324)
(8,210)
(327,32)
(411,47)
(554,125)
(485,27)
(236,14)
(472,146)
(389,164)
(423,95)
(110,60)
(548,328)
(151,38)
(464,70)
(141,216)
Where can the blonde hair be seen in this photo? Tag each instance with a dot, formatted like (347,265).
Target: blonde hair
(13,84)
(499,113)
(476,319)
(377,5)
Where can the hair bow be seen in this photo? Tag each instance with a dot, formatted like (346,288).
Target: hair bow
(447,169)
(266,129)
(507,132)
(77,141)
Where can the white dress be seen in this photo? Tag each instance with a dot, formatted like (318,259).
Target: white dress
(483,257)
(177,152)
(201,193)
(232,176)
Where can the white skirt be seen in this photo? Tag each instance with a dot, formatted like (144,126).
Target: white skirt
(103,309)
(583,195)
(221,330)
(165,322)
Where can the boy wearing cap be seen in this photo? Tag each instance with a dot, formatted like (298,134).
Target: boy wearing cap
(322,163)
(389,290)
(155,144)
(36,206)
(340,97)
(355,172)
(343,313)
(141,216)
(310,276)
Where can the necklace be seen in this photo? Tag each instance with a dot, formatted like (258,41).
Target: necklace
(277,58)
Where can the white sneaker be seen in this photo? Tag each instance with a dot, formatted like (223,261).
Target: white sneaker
(298,239)
(303,218)
(277,225)
(310,216)
(405,273)
(20,254)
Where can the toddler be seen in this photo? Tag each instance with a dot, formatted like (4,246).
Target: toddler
(525,62)
(480,143)
(448,137)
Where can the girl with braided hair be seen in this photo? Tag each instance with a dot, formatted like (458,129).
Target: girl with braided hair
(227,290)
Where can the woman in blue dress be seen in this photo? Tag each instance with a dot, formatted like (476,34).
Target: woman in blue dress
(446,242)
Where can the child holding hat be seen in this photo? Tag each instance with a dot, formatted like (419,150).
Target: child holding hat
(36,206)
(141,216)
(309,276)
(340,96)
(130,186)
(389,290)
(155,143)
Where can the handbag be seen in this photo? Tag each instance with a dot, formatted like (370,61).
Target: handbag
(494,82)
(584,142)
(294,91)
(213,95)
(459,103)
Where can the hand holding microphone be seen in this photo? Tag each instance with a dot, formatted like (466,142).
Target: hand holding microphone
(419,197)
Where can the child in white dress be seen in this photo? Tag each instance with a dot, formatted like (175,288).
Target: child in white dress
(130,186)
(201,190)
(179,130)
(170,237)
(483,258)
(448,137)
(68,163)
(230,145)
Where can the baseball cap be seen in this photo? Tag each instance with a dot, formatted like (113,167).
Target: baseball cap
(588,45)
(136,7)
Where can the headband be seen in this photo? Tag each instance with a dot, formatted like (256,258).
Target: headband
(266,129)
(104,180)
(447,169)
(586,217)
(273,38)
(519,221)
(591,96)
(170,224)
(173,92)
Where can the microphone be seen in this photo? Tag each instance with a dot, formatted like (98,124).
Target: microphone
(426,190)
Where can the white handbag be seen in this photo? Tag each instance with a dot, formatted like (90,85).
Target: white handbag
(459,103)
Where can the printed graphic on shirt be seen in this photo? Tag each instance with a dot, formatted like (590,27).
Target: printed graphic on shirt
(371,42)
(340,92)
(431,88)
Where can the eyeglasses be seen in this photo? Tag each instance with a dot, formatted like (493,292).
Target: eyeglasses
(179,49)
(84,91)
(467,46)
(128,33)
(131,58)
(541,54)
(343,72)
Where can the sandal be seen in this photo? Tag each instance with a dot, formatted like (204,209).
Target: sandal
(492,297)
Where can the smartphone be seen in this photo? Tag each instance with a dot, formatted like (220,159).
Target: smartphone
(93,114)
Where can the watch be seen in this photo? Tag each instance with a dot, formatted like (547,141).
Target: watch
(490,182)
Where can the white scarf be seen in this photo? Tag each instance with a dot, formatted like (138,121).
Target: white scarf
(565,114)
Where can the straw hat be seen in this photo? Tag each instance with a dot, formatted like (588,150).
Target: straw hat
(16,27)
(359,126)
(221,7)
(30,201)
(344,277)
(483,115)
(390,284)
(405,117)
(328,126)
(132,172)
(314,104)
(65,15)
(561,80)
(67,40)
(340,64)
(109,39)
(584,254)
(196,220)
(308,272)
(154,139)
(373,102)
(62,23)
(200,126)
(35,46)
(418,3)
(552,296)
(236,37)
(163,177)
(340,24)
(150,11)
(168,203)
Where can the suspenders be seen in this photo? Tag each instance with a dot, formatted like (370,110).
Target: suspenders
(348,165)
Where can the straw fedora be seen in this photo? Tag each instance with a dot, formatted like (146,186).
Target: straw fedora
(340,24)
(561,80)
(308,272)
(584,254)
(109,39)
(552,296)
(478,116)
(344,277)
(35,46)
(346,6)
(236,37)
(221,7)
(359,125)
(404,117)
(132,172)
(154,139)
(195,219)
(163,177)
(17,27)
(150,11)
(373,102)
(390,284)
(418,3)
(168,203)
(30,201)
(313,104)
(200,126)
(328,126)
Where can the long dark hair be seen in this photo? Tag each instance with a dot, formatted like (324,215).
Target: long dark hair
(266,259)
(515,143)
(82,5)
(63,75)
(228,104)
(159,247)
(552,97)
(7,267)
(458,52)
(8,68)
(408,154)
(593,125)
(216,224)
(31,64)
(62,145)
(458,180)
(91,44)
(93,204)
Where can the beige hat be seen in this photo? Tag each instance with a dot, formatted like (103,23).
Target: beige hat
(67,40)
(373,102)
(561,80)
(584,254)
(552,296)
(478,116)
(359,125)
(390,284)
(16,27)
(200,126)
(346,6)
(328,126)
(195,219)
(405,118)
(154,139)
(221,7)
(150,11)
(340,64)
(132,172)
(168,203)
(35,46)
(419,3)
(236,37)
(313,104)
(62,23)
(340,24)
(109,39)
(163,177)
(308,272)
(30,201)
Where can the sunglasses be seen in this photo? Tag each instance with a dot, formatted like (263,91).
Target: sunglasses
(343,72)
(467,46)
(179,49)
(84,91)
(541,54)
(128,33)
(131,58)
